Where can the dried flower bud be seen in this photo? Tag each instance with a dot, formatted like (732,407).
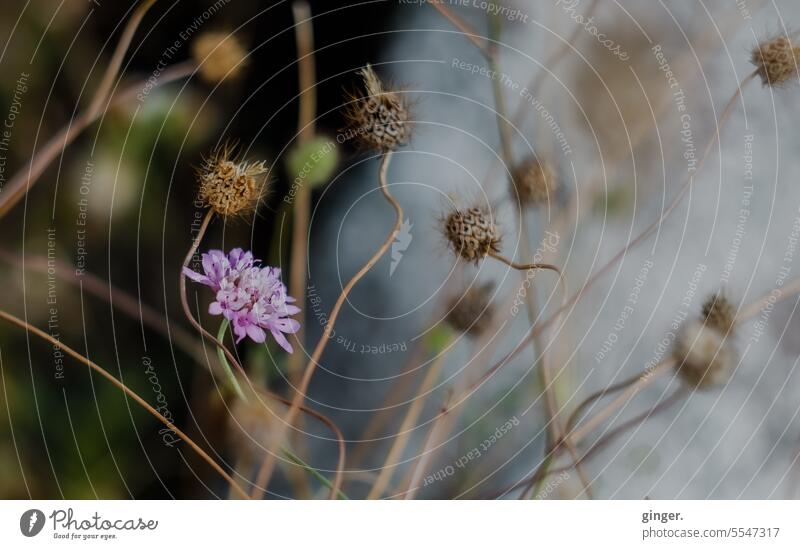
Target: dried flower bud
(536,182)
(719,313)
(705,356)
(219,55)
(776,61)
(376,117)
(472,312)
(472,233)
(228,186)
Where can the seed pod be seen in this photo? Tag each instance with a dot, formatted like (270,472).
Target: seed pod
(776,61)
(536,182)
(228,186)
(376,117)
(719,313)
(705,355)
(472,313)
(472,233)
(219,55)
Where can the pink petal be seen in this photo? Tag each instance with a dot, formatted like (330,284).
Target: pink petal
(197,277)
(256,334)
(282,340)
(214,308)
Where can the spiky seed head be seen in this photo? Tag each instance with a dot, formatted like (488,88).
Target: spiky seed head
(719,313)
(535,181)
(472,233)
(219,55)
(705,356)
(228,186)
(776,61)
(472,313)
(377,117)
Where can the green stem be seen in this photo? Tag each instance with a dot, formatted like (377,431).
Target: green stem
(313,472)
(224,361)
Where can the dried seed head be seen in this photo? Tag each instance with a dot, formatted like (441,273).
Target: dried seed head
(472,233)
(705,356)
(219,55)
(535,182)
(376,117)
(472,313)
(719,313)
(228,186)
(776,61)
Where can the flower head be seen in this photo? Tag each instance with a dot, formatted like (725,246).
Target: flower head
(378,117)
(228,186)
(471,233)
(776,61)
(251,297)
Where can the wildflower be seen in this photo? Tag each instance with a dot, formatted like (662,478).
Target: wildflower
(535,182)
(250,296)
(776,61)
(228,186)
(219,55)
(377,117)
(471,233)
(704,350)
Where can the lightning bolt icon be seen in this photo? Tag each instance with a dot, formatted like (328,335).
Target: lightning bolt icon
(33,520)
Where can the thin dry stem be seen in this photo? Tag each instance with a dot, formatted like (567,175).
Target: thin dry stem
(118,298)
(304,36)
(464,27)
(265,472)
(404,432)
(634,386)
(638,240)
(380,417)
(124,388)
(340,466)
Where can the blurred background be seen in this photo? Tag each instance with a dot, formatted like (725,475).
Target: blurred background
(622,142)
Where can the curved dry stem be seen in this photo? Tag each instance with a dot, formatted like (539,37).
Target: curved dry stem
(340,467)
(525,266)
(124,388)
(551,406)
(24,178)
(404,431)
(575,416)
(541,475)
(265,472)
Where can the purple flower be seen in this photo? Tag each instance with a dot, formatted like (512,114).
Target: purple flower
(251,297)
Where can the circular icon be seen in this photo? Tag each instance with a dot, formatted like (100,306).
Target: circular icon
(31,522)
